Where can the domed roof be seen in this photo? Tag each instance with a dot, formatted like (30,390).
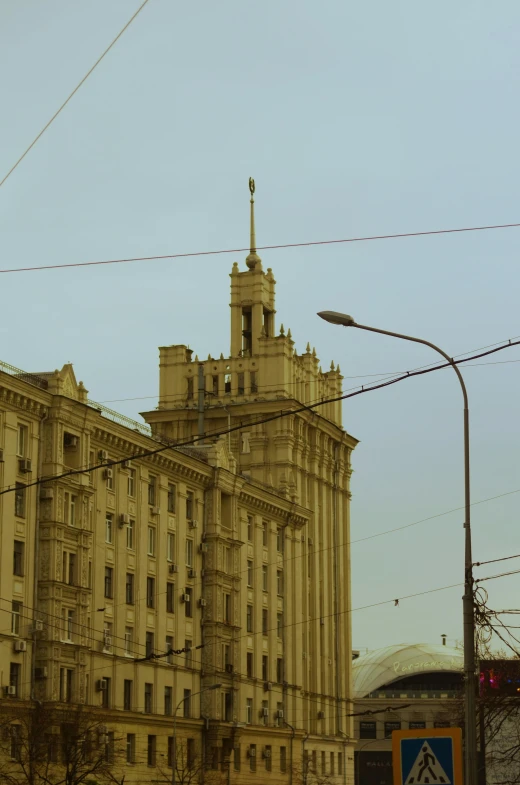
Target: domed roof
(383,666)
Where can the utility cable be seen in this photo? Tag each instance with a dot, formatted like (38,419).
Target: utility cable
(64,104)
(259,248)
(493,561)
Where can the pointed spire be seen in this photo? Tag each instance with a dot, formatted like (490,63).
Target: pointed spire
(289,333)
(332,365)
(253,257)
(221,356)
(282,331)
(338,369)
(308,349)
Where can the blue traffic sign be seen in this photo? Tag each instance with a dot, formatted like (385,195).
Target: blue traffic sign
(427,757)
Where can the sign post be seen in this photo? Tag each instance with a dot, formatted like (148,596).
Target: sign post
(430,756)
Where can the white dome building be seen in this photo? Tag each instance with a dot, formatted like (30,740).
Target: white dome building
(402,686)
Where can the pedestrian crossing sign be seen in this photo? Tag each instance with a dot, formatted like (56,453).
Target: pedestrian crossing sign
(432,756)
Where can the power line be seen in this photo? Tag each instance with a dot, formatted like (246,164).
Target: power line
(259,248)
(64,104)
(493,561)
(251,423)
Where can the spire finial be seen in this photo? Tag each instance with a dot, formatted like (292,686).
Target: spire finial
(253,257)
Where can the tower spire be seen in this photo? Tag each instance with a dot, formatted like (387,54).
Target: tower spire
(253,257)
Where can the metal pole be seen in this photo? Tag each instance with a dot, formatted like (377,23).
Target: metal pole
(467,600)
(200,406)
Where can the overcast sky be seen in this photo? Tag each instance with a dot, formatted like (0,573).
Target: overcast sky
(355,119)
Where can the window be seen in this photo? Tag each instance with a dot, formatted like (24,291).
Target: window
(109,582)
(130,747)
(172,497)
(151,750)
(109,527)
(189,394)
(227,561)
(249,572)
(16,742)
(227,706)
(265,621)
(14,677)
(226,652)
(107,636)
(152,481)
(264,577)
(264,532)
(314,763)
(236,757)
(189,505)
(252,758)
(130,532)
(250,527)
(148,694)
(265,668)
(415,725)
(189,658)
(254,383)
(168,701)
(279,711)
(170,597)
(70,508)
(227,607)
(72,569)
(332,764)
(187,703)
(151,540)
(268,753)
(149,644)
(189,553)
(190,753)
(188,608)
(129,641)
(340,762)
(16,612)
(106,694)
(279,670)
(127,694)
(150,592)
(249,710)
(22,441)
(283,759)
(109,474)
(240,384)
(279,582)
(169,647)
(249,664)
(391,726)
(170,547)
(129,588)
(67,617)
(279,540)
(19,500)
(131,483)
(249,618)
(279,624)
(170,751)
(367,730)
(323,762)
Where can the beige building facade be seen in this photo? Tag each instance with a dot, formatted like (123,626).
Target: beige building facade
(230,548)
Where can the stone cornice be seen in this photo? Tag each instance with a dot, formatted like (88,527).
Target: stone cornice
(22,401)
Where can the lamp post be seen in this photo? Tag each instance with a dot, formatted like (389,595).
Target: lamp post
(174,739)
(333,317)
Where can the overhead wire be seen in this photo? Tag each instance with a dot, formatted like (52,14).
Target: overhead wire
(64,104)
(262,248)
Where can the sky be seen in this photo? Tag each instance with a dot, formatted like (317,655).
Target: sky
(355,119)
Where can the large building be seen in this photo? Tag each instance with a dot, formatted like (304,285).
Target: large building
(220,528)
(400,687)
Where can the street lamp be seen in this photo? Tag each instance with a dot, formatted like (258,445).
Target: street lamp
(174,739)
(333,317)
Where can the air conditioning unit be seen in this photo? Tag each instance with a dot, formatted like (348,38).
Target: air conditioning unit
(10,690)
(107,642)
(268,686)
(192,573)
(40,673)
(126,465)
(321,715)
(251,752)
(203,548)
(202,603)
(124,519)
(46,493)
(229,668)
(1,454)
(70,442)
(184,598)
(279,714)
(266,754)
(310,541)
(103,455)
(20,646)
(108,474)
(173,568)
(38,626)
(25,465)
(193,524)
(264,712)
(101,685)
